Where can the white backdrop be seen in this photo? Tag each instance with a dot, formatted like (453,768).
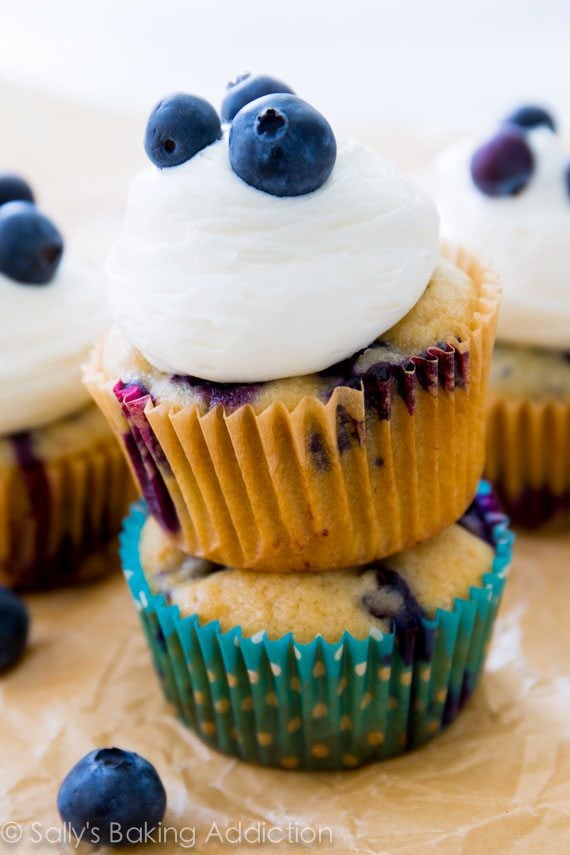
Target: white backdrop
(365,63)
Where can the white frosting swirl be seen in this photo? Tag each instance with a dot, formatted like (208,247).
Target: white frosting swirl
(213,278)
(46,332)
(526,237)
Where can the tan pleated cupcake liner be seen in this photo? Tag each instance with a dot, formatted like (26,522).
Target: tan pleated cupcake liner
(368,473)
(528,457)
(59,515)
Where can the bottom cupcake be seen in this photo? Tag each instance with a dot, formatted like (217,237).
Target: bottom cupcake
(64,489)
(328,670)
(528,434)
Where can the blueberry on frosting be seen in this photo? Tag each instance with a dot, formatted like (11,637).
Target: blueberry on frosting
(14,188)
(179,127)
(246,88)
(31,247)
(531,116)
(282,146)
(504,165)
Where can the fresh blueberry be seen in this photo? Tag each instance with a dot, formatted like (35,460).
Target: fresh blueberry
(282,145)
(531,116)
(503,165)
(14,625)
(111,796)
(179,127)
(246,88)
(12,187)
(30,245)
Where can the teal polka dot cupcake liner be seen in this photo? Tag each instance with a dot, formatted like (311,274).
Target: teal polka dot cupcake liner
(321,705)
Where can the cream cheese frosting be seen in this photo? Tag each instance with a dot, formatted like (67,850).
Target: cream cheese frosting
(526,237)
(46,332)
(213,278)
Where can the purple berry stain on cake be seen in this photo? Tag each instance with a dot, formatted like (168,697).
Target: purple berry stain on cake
(231,396)
(319,451)
(148,460)
(349,431)
(394,601)
(444,366)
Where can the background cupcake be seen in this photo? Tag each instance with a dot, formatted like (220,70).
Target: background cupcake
(296,376)
(510,199)
(63,485)
(264,667)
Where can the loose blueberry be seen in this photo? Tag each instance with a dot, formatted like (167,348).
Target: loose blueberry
(531,116)
(30,245)
(179,127)
(282,145)
(14,625)
(112,796)
(246,88)
(503,165)
(12,188)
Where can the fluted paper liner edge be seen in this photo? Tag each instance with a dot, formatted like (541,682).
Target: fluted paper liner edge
(528,456)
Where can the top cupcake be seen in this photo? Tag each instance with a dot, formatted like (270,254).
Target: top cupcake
(295,374)
(509,198)
(265,250)
(51,312)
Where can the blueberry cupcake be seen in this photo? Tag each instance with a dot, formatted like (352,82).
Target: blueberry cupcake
(63,483)
(296,374)
(321,670)
(510,199)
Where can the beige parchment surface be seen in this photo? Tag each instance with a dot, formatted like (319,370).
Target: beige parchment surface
(497,782)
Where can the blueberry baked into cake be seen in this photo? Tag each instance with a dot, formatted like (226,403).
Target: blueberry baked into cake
(509,198)
(297,378)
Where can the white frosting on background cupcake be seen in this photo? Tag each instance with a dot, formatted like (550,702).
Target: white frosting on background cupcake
(213,278)
(46,332)
(526,237)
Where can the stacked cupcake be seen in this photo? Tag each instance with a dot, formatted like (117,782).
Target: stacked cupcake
(298,380)
(510,198)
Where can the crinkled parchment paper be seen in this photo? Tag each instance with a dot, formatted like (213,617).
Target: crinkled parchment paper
(497,781)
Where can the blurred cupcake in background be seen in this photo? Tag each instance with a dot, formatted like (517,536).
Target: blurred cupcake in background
(63,485)
(508,198)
